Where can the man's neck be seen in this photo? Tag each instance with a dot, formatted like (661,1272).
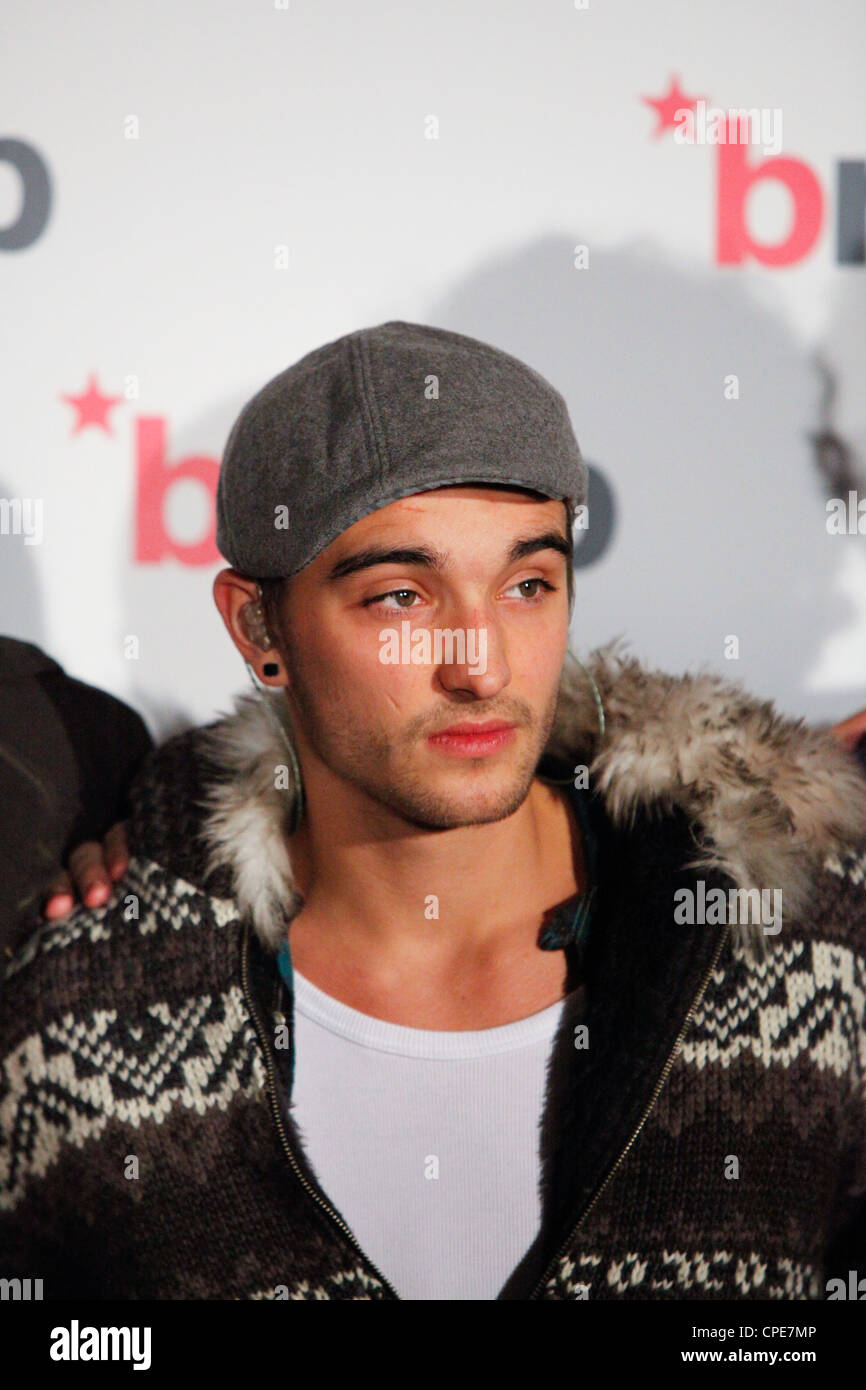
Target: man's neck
(438,929)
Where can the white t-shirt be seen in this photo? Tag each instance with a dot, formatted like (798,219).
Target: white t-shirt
(425,1142)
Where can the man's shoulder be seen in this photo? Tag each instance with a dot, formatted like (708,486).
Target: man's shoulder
(178,792)
(167,799)
(838,912)
(775,805)
(789,891)
(155,929)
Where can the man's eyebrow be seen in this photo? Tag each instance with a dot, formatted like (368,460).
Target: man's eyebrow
(438,559)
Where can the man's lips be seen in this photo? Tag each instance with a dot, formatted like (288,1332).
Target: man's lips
(469,739)
(469,727)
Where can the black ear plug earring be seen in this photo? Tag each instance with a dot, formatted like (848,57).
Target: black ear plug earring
(253,619)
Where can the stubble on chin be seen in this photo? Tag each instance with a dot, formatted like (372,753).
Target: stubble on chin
(432,791)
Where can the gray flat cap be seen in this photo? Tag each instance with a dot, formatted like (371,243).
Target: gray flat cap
(378,414)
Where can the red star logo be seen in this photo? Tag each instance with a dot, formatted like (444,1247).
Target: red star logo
(667,106)
(92,406)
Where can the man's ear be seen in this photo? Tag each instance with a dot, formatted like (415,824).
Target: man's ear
(239,602)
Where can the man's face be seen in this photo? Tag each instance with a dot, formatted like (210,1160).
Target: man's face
(474,566)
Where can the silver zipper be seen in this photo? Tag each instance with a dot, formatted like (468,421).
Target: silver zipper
(563,1250)
(317,1197)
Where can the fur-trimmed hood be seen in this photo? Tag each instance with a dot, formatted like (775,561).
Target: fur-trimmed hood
(769,797)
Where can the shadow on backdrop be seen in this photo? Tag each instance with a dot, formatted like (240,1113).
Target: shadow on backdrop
(720,522)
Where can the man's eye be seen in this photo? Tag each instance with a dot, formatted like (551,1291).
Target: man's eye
(391,594)
(543,582)
(411,594)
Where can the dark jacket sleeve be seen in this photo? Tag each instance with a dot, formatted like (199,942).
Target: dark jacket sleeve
(110,741)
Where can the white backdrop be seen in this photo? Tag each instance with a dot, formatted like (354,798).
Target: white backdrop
(193,195)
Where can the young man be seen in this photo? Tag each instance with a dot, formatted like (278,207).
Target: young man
(440,970)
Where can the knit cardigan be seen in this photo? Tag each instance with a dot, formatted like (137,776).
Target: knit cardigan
(709,1142)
